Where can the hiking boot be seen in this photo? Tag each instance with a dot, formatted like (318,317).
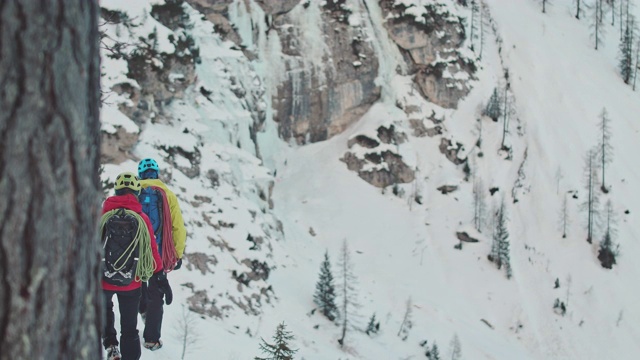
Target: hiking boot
(113,353)
(153,346)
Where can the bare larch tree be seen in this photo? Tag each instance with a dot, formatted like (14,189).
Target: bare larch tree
(50,298)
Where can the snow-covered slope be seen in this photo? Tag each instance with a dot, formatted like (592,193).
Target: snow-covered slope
(402,249)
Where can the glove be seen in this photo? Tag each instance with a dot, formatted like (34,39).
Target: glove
(163,286)
(178,264)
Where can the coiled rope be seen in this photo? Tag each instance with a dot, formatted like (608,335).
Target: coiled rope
(146,263)
(169,253)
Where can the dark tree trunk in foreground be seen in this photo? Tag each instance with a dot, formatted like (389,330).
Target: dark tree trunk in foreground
(50,303)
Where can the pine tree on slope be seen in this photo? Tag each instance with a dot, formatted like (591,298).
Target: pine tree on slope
(325,295)
(605,149)
(592,203)
(597,23)
(456,348)
(434,353)
(374,326)
(280,349)
(493,109)
(626,50)
(500,246)
(608,249)
(347,292)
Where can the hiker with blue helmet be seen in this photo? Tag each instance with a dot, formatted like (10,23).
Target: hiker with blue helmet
(161,205)
(130,256)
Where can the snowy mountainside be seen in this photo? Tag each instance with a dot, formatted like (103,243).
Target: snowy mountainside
(261,211)
(209,163)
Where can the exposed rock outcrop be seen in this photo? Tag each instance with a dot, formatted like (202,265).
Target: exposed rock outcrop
(464,236)
(116,148)
(376,160)
(432,43)
(451,150)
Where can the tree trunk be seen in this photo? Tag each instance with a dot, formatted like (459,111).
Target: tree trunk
(50,303)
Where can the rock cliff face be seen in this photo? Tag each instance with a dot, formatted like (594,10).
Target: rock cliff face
(329,66)
(319,93)
(432,44)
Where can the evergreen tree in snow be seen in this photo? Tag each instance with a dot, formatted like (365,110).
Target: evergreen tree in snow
(577,3)
(625,65)
(636,65)
(483,15)
(456,348)
(407,324)
(347,292)
(280,349)
(544,5)
(506,111)
(500,247)
(612,10)
(325,295)
(591,204)
(608,249)
(564,216)
(597,23)
(474,24)
(605,149)
(374,326)
(494,109)
(434,353)
(479,203)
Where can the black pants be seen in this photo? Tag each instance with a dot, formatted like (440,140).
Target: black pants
(152,304)
(129,339)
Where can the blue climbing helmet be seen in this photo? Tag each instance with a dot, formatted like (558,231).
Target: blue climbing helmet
(145,165)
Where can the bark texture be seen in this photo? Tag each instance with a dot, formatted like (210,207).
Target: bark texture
(50,306)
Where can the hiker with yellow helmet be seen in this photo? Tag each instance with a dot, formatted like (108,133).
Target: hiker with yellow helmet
(130,257)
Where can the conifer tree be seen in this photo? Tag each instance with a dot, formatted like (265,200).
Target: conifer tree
(325,295)
(605,149)
(636,64)
(456,348)
(482,26)
(578,8)
(280,349)
(625,65)
(473,24)
(347,292)
(564,217)
(608,249)
(505,112)
(591,204)
(434,353)
(493,109)
(544,5)
(374,326)
(479,203)
(407,324)
(596,25)
(500,247)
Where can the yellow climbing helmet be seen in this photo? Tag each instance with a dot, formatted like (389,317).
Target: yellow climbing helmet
(128,180)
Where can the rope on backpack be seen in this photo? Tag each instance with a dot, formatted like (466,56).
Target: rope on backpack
(146,263)
(169,254)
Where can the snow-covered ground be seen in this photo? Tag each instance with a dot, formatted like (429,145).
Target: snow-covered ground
(403,250)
